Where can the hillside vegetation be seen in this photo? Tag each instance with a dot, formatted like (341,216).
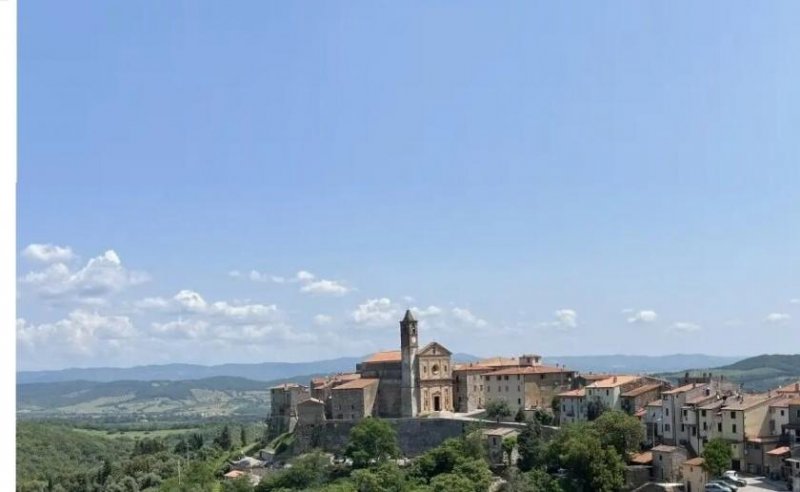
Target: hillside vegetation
(219,396)
(758,373)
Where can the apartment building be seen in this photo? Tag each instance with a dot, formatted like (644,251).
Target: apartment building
(572,406)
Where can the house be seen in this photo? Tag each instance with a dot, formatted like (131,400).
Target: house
(310,412)
(606,393)
(773,465)
(673,430)
(494,440)
(572,406)
(694,475)
(653,421)
(667,462)
(322,387)
(633,400)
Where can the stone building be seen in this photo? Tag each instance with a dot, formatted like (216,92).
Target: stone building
(355,399)
(284,399)
(527,387)
(321,389)
(468,386)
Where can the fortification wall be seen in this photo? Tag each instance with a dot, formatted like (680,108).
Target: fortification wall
(414,435)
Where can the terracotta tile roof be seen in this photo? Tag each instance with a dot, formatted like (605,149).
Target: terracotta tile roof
(780,403)
(528,370)
(779,451)
(663,448)
(597,377)
(387,356)
(580,392)
(613,381)
(473,367)
(681,389)
(640,413)
(499,361)
(745,401)
(792,388)
(695,462)
(642,389)
(642,458)
(794,401)
(287,386)
(234,474)
(311,401)
(357,384)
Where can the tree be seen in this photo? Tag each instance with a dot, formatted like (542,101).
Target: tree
(451,482)
(520,416)
(243,436)
(590,465)
(497,410)
(385,478)
(509,443)
(223,440)
(196,441)
(241,484)
(307,472)
(536,480)
(531,447)
(620,430)
(371,440)
(717,455)
(594,409)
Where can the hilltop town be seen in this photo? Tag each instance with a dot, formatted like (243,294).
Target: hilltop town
(424,393)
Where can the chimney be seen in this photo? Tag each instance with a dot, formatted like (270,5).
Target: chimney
(797,386)
(615,379)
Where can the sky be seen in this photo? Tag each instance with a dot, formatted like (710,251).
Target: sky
(214,182)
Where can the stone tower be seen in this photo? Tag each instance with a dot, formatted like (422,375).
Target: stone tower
(409,392)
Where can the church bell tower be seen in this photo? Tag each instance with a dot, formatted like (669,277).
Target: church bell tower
(409,392)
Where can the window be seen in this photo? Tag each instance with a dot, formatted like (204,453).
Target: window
(666,427)
(733,415)
(506,389)
(505,377)
(499,378)
(607,393)
(519,401)
(435,370)
(666,412)
(481,387)
(683,428)
(705,425)
(781,413)
(719,427)
(517,377)
(685,413)
(541,376)
(703,413)
(733,428)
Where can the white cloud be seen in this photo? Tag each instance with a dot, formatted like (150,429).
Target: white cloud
(685,327)
(48,253)
(567,318)
(322,319)
(102,276)
(465,315)
(777,318)
(643,316)
(304,276)
(427,312)
(376,312)
(794,301)
(79,331)
(190,300)
(181,328)
(325,287)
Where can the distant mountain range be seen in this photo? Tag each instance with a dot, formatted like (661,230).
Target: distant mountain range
(758,373)
(271,371)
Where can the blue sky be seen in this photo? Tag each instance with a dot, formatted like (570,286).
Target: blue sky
(563,179)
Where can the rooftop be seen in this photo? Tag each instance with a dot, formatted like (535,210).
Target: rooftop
(642,389)
(357,384)
(746,401)
(642,458)
(472,366)
(499,361)
(528,370)
(287,386)
(311,401)
(387,356)
(780,451)
(573,393)
(596,376)
(613,381)
(792,388)
(663,448)
(682,389)
(695,462)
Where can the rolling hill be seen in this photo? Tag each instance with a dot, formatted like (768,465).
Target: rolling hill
(758,373)
(210,397)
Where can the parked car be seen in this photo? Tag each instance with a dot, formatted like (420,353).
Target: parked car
(732,475)
(717,487)
(731,482)
(726,483)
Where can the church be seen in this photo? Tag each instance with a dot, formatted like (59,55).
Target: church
(397,383)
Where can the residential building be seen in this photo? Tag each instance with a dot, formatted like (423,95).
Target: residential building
(694,475)
(572,406)
(667,462)
(527,387)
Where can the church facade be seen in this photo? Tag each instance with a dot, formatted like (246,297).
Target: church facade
(410,381)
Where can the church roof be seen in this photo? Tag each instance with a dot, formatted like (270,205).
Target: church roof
(409,316)
(435,348)
(387,356)
(357,384)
